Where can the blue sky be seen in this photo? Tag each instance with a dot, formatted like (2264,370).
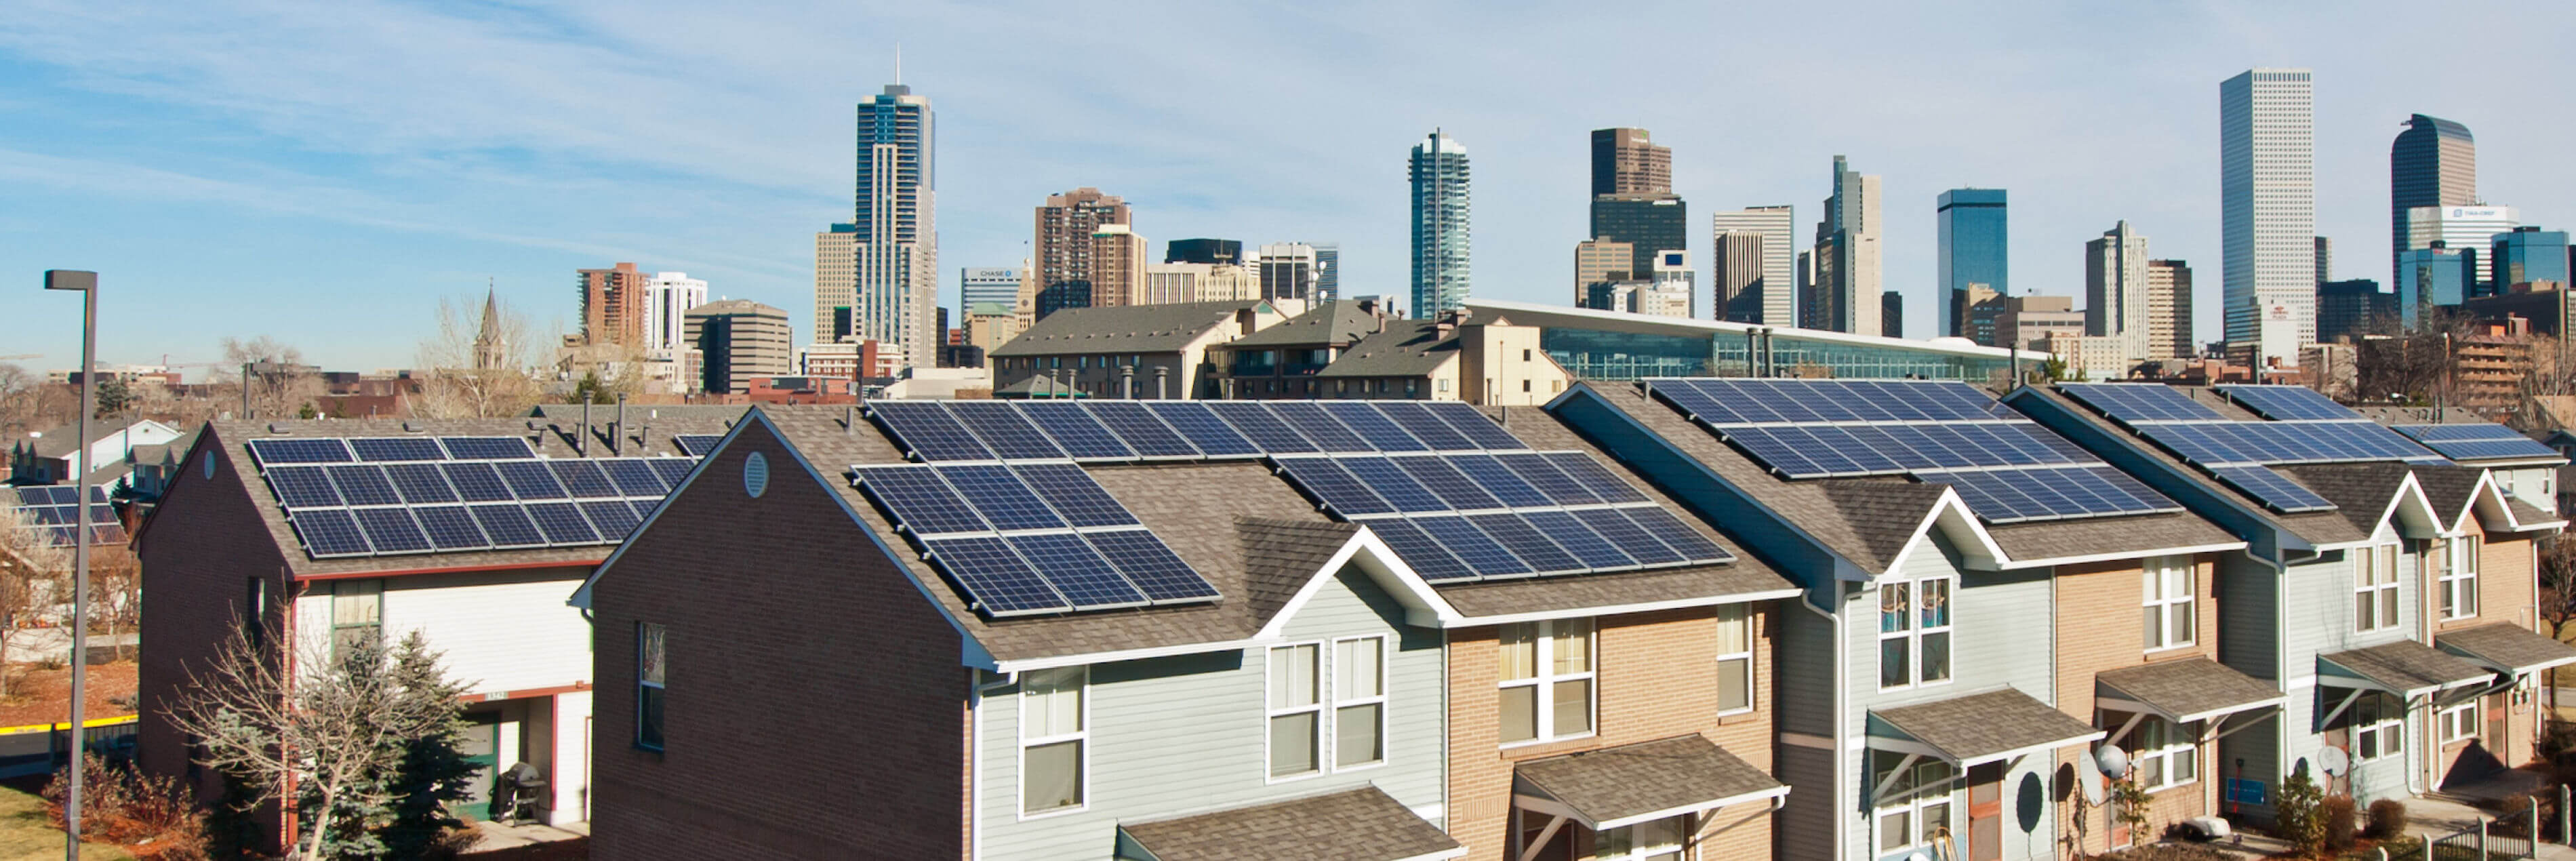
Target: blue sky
(325,172)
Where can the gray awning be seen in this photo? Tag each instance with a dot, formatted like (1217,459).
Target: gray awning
(2405,668)
(2506,647)
(1641,782)
(2183,691)
(1361,824)
(1978,728)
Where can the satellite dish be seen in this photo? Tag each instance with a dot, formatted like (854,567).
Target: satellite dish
(2088,774)
(2333,761)
(2113,761)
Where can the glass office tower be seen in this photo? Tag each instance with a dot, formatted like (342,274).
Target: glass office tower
(1972,249)
(1440,204)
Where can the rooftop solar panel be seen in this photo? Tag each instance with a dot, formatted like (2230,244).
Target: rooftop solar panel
(1471,545)
(1255,421)
(1074,430)
(1453,487)
(2130,403)
(582,478)
(1693,547)
(1000,497)
(487,448)
(1587,545)
(276,450)
(1544,475)
(420,483)
(1073,494)
(2477,441)
(1416,419)
(634,476)
(476,482)
(507,525)
(928,430)
(1209,434)
(562,524)
(673,470)
(995,579)
(696,444)
(302,487)
(1467,421)
(1150,564)
(1077,572)
(1364,419)
(329,533)
(2013,495)
(1594,478)
(1490,474)
(1524,540)
(1420,551)
(1630,538)
(614,517)
(2288,403)
(396,449)
(918,501)
(391,530)
(2275,491)
(35,496)
(1001,428)
(363,484)
(1137,427)
(1319,427)
(108,533)
(530,480)
(450,527)
(1392,484)
(1324,479)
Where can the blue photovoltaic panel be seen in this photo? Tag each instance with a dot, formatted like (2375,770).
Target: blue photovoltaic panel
(2008,495)
(1364,419)
(918,500)
(1324,479)
(1472,546)
(1420,551)
(1693,547)
(562,523)
(2288,403)
(1474,425)
(1139,429)
(1542,474)
(1264,428)
(2130,403)
(451,528)
(1076,571)
(1318,427)
(1211,435)
(1416,419)
(1524,541)
(1001,428)
(1587,545)
(1074,430)
(486,448)
(507,525)
(530,479)
(697,444)
(270,452)
(634,477)
(396,448)
(1630,538)
(1000,497)
(1589,473)
(1392,484)
(1150,564)
(583,478)
(476,482)
(928,430)
(673,470)
(2476,441)
(1506,486)
(391,530)
(614,518)
(420,483)
(1074,494)
(302,487)
(1444,481)
(35,496)
(643,507)
(2219,442)
(995,579)
(363,484)
(111,533)
(329,532)
(2277,492)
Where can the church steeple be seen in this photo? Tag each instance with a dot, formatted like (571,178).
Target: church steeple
(489,351)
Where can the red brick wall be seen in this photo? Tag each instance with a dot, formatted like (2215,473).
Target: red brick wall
(816,703)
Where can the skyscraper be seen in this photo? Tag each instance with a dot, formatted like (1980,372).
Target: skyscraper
(2468,230)
(1118,258)
(2434,162)
(2115,289)
(2350,309)
(2169,310)
(612,305)
(1328,271)
(739,341)
(836,281)
(1063,241)
(667,298)
(2325,260)
(1650,222)
(987,285)
(2525,255)
(1847,254)
(1287,270)
(1972,249)
(2267,187)
(1440,204)
(1753,259)
(897,280)
(1598,260)
(1891,314)
(2431,277)
(1624,161)
(1203,251)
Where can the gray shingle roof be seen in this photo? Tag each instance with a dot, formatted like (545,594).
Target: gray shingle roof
(1339,322)
(1123,328)
(1979,726)
(1361,824)
(2449,488)
(2406,666)
(2188,689)
(1280,556)
(2507,646)
(1408,348)
(1614,784)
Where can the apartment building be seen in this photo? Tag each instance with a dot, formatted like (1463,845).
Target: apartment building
(1352,349)
(1127,352)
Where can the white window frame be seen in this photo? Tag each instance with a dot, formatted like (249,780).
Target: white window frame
(2459,577)
(2378,733)
(1342,699)
(2458,722)
(2374,578)
(1544,677)
(649,636)
(1271,712)
(1743,615)
(1658,851)
(1080,737)
(2163,605)
(1913,802)
(2179,746)
(1914,630)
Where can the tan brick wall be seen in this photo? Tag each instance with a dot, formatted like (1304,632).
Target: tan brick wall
(1657,677)
(2101,627)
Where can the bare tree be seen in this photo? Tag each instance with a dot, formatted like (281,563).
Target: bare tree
(34,575)
(116,592)
(469,372)
(28,404)
(2558,587)
(2418,364)
(280,383)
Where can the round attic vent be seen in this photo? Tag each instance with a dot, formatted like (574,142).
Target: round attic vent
(207,465)
(755,475)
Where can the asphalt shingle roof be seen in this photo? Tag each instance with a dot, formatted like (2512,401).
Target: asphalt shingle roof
(1980,725)
(2188,689)
(1408,348)
(1363,824)
(2507,645)
(1339,322)
(2407,665)
(1123,328)
(1630,780)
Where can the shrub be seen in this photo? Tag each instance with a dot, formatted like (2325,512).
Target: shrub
(2299,815)
(119,805)
(2337,812)
(2515,815)
(2387,819)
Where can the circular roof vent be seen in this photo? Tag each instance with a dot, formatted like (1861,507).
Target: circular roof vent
(755,475)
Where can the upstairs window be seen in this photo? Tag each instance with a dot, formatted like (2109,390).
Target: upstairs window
(1914,632)
(2374,575)
(1734,659)
(357,613)
(1053,738)
(651,669)
(2170,621)
(1359,702)
(1296,711)
(2459,581)
(1547,680)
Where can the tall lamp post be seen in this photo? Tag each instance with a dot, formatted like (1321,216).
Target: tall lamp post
(87,284)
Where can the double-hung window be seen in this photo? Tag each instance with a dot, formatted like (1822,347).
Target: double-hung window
(2378,725)
(2374,585)
(2459,722)
(1053,738)
(1914,632)
(1359,702)
(357,612)
(2460,578)
(1296,711)
(1547,675)
(1658,840)
(652,670)
(1734,658)
(2164,754)
(2170,621)
(1915,808)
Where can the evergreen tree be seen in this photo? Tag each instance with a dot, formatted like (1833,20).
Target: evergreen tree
(433,773)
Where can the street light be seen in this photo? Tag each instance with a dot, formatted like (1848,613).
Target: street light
(87,284)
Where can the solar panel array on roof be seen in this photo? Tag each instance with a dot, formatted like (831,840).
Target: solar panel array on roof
(273,451)
(1024,538)
(2007,468)
(2466,441)
(2288,403)
(384,496)
(2306,427)
(696,444)
(1102,431)
(52,513)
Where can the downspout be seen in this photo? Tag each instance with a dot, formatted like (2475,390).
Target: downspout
(1834,623)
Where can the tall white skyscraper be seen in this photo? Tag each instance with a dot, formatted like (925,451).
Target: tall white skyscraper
(2116,298)
(2267,182)
(2469,230)
(1848,273)
(897,284)
(668,296)
(1756,275)
(987,285)
(1440,204)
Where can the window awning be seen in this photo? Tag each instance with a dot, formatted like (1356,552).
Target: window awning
(1642,782)
(2507,648)
(2405,668)
(1978,728)
(1361,824)
(2182,691)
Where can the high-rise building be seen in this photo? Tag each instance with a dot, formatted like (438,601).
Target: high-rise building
(2169,310)
(1624,161)
(1891,314)
(1985,307)
(740,340)
(2115,288)
(1674,276)
(1649,222)
(836,281)
(1287,271)
(2325,259)
(2267,187)
(1063,242)
(612,304)
(1203,251)
(2468,230)
(1847,254)
(1175,283)
(2525,255)
(1972,251)
(2351,309)
(1754,263)
(987,285)
(897,281)
(1598,260)
(2434,162)
(667,298)
(1328,271)
(1118,259)
(1440,208)
(2430,277)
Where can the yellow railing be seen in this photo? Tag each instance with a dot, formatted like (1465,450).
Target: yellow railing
(65,725)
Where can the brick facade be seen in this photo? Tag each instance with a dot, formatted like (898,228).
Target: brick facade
(2101,627)
(2508,583)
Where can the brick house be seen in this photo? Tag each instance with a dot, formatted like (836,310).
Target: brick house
(286,528)
(1348,691)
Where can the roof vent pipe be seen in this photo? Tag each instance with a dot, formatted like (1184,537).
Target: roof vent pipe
(850,420)
(581,441)
(617,432)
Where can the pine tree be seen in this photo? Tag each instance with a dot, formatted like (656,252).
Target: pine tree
(433,773)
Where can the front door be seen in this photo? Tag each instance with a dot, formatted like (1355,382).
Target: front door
(2496,740)
(482,747)
(1986,812)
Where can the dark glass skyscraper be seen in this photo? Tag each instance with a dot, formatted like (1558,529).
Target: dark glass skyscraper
(1203,251)
(1650,223)
(2525,255)
(896,301)
(2433,163)
(1972,251)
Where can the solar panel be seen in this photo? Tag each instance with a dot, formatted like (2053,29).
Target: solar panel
(2476,441)
(582,478)
(530,479)
(476,482)
(487,448)
(274,451)
(995,579)
(396,448)
(614,517)
(420,483)
(1589,547)
(1001,428)
(35,496)
(1453,487)
(507,525)
(363,484)
(1490,474)
(1324,479)
(1319,427)
(1257,423)
(1150,564)
(450,528)
(2287,403)
(634,476)
(918,501)
(562,524)
(1139,429)
(1471,545)
(1000,497)
(1474,425)
(2012,495)
(673,470)
(1076,571)
(697,444)
(111,533)
(1073,494)
(1594,478)
(1209,434)
(1524,541)
(644,507)
(2276,492)
(1543,475)
(2130,403)
(928,431)
(1630,538)
(1417,420)
(302,487)
(391,530)
(1074,430)
(1661,524)
(1392,484)
(329,533)
(1420,551)
(1364,419)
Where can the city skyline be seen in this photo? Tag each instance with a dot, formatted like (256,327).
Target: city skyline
(256,187)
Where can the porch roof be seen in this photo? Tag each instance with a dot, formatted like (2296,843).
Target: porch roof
(1978,728)
(1642,782)
(2404,667)
(2185,690)
(1361,824)
(2506,646)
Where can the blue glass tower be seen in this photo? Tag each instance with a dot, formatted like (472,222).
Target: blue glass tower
(2528,254)
(1972,249)
(1440,201)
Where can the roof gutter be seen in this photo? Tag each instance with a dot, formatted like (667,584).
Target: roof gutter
(450,569)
